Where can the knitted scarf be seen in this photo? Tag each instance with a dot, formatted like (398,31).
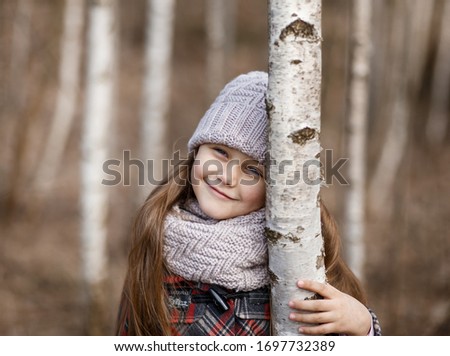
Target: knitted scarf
(231,253)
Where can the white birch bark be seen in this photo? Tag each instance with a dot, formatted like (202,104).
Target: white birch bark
(357,136)
(67,94)
(156,93)
(292,206)
(98,117)
(219,31)
(437,123)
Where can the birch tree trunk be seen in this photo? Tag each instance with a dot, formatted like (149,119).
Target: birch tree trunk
(292,207)
(437,123)
(156,93)
(98,117)
(357,135)
(67,94)
(219,29)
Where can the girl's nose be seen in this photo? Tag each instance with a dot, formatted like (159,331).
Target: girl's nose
(230,175)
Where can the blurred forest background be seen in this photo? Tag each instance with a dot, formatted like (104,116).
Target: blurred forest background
(407,269)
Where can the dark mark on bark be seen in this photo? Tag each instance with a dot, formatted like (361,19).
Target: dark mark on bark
(315,296)
(302,136)
(299,28)
(296,61)
(272,276)
(292,237)
(320,261)
(269,106)
(273,237)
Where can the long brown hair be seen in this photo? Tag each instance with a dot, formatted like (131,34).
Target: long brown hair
(339,275)
(143,306)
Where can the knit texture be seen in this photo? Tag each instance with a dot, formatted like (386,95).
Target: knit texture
(231,253)
(238,117)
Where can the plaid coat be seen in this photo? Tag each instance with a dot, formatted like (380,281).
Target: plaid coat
(204,309)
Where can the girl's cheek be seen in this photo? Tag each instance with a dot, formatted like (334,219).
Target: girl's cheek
(259,195)
(196,174)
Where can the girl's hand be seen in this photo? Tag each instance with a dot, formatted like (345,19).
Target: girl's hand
(337,313)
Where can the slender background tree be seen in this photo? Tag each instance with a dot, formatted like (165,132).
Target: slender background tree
(156,89)
(358,110)
(69,77)
(220,36)
(98,120)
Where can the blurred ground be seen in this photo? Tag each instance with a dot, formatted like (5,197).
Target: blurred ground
(408,264)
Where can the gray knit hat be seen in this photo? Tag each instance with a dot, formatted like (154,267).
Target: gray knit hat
(238,117)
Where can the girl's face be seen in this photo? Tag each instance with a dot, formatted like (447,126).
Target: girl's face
(226,182)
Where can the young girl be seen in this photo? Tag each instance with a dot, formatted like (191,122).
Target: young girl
(198,263)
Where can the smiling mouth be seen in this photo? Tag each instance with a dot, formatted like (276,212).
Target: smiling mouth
(219,193)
